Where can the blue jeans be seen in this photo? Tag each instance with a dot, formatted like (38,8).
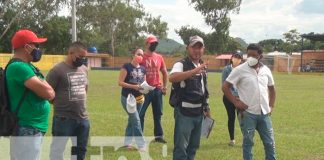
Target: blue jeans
(262,123)
(26,144)
(62,129)
(133,128)
(187,132)
(155,97)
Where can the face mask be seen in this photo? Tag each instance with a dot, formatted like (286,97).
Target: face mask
(138,59)
(153,46)
(36,54)
(252,61)
(236,61)
(80,61)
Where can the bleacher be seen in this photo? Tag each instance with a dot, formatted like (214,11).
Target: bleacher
(317,65)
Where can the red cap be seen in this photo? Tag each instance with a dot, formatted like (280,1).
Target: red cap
(23,37)
(151,39)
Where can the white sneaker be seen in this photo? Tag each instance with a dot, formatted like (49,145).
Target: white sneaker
(231,143)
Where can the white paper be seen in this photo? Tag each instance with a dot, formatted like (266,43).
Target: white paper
(145,88)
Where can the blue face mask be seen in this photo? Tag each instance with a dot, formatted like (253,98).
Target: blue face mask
(36,54)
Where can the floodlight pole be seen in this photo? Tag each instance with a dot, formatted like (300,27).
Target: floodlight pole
(73,15)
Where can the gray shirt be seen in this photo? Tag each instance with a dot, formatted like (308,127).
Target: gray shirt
(70,86)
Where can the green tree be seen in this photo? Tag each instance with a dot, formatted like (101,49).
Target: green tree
(56,30)
(270,45)
(292,41)
(214,42)
(216,15)
(185,32)
(30,14)
(121,23)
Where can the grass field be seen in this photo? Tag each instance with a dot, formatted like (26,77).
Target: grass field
(297,119)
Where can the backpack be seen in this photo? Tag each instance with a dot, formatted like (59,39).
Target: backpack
(8,119)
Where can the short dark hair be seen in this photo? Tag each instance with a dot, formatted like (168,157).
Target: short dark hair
(77,44)
(255,47)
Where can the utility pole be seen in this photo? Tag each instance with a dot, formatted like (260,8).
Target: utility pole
(73,15)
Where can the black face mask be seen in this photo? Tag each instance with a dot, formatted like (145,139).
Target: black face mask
(36,54)
(153,46)
(80,61)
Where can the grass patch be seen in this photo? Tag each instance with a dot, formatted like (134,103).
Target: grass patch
(297,119)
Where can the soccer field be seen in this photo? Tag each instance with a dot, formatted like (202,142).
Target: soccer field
(297,120)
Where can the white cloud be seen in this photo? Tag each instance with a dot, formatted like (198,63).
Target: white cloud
(265,19)
(257,20)
(177,14)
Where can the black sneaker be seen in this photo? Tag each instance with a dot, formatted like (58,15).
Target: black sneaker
(160,140)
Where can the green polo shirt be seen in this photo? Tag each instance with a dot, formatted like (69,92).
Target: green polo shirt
(34,110)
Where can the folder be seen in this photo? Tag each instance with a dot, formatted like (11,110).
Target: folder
(207,126)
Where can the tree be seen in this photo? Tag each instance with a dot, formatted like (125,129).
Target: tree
(270,45)
(56,30)
(234,45)
(121,23)
(114,26)
(214,42)
(186,31)
(30,14)
(217,12)
(292,41)
(216,15)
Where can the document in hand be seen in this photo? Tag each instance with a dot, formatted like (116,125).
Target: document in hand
(207,126)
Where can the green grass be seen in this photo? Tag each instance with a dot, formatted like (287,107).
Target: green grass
(297,120)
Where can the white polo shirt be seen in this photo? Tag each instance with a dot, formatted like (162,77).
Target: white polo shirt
(252,87)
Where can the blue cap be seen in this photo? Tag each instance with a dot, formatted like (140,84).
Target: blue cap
(92,50)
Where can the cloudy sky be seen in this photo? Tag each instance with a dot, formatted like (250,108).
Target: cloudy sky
(257,20)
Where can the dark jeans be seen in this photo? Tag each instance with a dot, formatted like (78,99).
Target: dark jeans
(230,109)
(187,132)
(155,97)
(63,128)
(26,144)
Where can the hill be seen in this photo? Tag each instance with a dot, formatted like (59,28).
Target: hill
(170,46)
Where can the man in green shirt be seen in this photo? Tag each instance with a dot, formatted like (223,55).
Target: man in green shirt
(21,77)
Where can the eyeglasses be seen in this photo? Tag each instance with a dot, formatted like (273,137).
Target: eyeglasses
(138,54)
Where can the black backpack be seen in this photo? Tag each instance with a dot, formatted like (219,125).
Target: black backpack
(8,119)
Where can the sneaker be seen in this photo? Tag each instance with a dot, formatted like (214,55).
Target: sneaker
(129,147)
(142,149)
(231,143)
(160,140)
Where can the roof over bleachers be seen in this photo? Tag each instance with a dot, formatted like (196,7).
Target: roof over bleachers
(313,37)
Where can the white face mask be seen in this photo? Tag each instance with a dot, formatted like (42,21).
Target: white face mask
(252,61)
